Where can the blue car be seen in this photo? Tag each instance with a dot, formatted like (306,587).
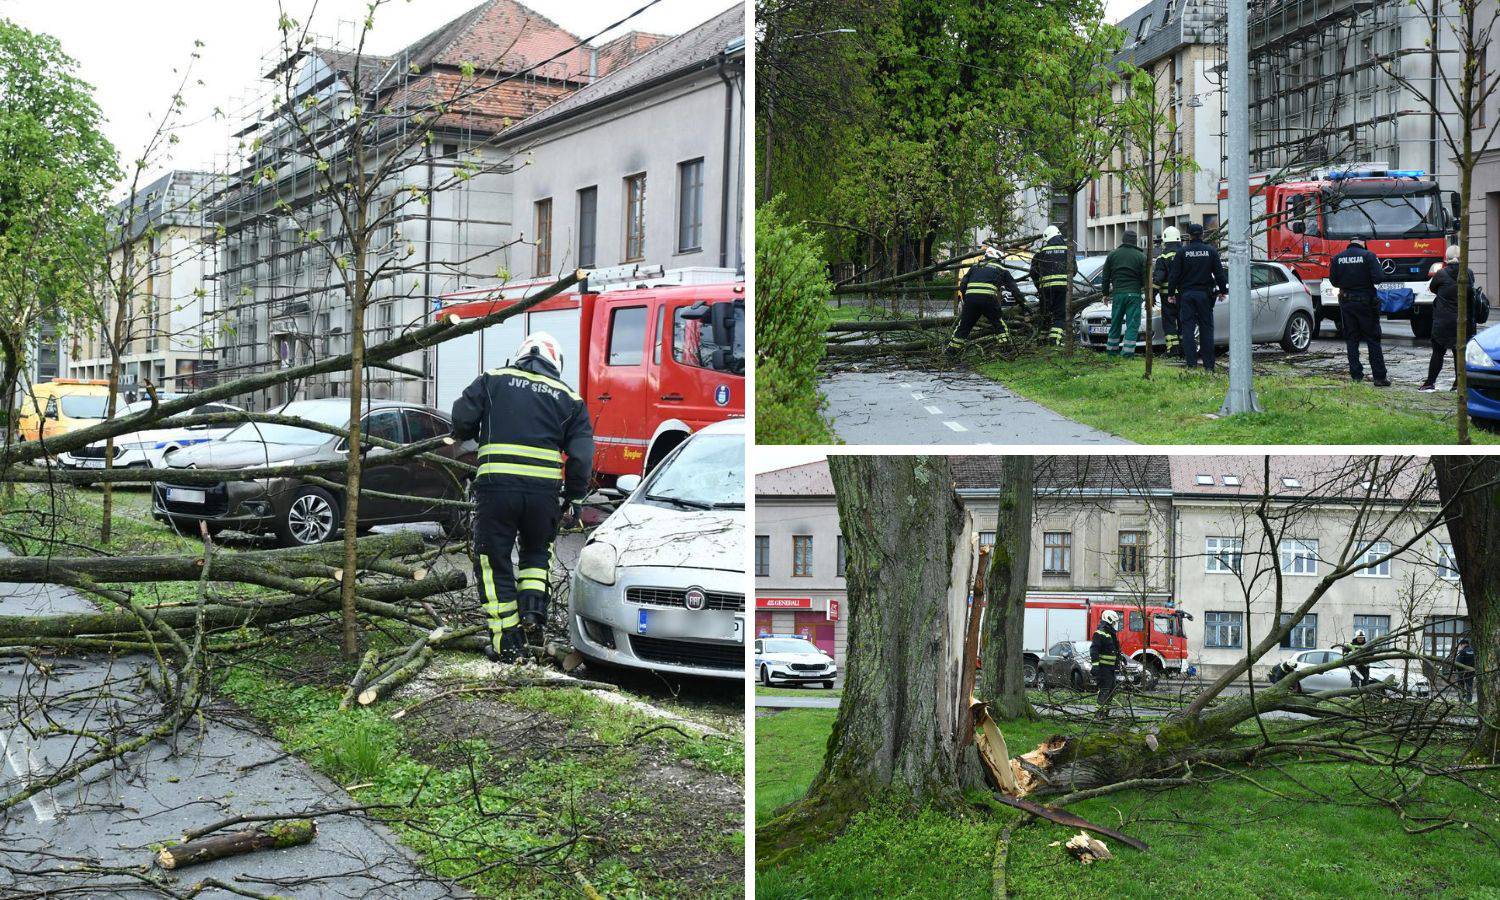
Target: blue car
(1482,362)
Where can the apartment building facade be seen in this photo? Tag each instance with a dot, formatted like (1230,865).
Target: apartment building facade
(172,327)
(799,558)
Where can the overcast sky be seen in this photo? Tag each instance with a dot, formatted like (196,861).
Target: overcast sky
(128,50)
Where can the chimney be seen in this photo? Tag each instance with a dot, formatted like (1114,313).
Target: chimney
(593,64)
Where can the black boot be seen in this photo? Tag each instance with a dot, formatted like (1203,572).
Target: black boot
(510,650)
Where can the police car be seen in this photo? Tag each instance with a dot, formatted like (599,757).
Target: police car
(792,659)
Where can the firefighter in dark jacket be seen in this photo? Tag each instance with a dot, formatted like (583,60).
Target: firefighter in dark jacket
(1104,657)
(1360,676)
(1050,272)
(1161,282)
(1465,657)
(1356,271)
(981,288)
(536,456)
(1198,277)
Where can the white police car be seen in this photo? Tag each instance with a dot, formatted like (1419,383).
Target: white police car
(792,659)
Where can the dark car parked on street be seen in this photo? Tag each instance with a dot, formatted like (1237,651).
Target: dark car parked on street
(299,512)
(1066,664)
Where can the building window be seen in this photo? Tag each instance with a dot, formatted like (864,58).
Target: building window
(1057,552)
(635,218)
(1374,627)
(1371,552)
(544,237)
(1303,635)
(802,563)
(842,558)
(690,206)
(1222,629)
(1447,567)
(986,540)
(1132,553)
(627,336)
(762,555)
(1223,554)
(588,226)
(1440,634)
(1299,557)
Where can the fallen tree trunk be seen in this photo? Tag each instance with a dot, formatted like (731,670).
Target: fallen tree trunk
(272,836)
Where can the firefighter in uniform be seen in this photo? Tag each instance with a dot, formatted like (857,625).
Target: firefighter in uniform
(1356,272)
(1049,272)
(1104,655)
(1198,277)
(981,287)
(1361,674)
(526,420)
(1161,281)
(1464,656)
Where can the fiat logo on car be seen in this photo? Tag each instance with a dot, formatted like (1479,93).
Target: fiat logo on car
(694,598)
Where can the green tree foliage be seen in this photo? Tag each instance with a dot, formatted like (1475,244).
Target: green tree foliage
(57,168)
(791,312)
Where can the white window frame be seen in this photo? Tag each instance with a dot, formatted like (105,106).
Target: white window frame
(1236,624)
(1214,560)
(1447,566)
(1299,556)
(1371,550)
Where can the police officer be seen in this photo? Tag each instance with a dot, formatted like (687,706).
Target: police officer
(1198,277)
(1161,281)
(527,420)
(981,289)
(1049,272)
(1104,655)
(1465,657)
(1355,271)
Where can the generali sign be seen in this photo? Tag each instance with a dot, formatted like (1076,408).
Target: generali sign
(783,603)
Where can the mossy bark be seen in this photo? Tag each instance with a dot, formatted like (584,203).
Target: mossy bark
(1003,681)
(1469,487)
(271,836)
(896,731)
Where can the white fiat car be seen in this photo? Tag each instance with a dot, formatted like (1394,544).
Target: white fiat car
(661,583)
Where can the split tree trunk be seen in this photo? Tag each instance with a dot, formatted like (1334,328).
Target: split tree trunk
(1469,487)
(1004,681)
(897,727)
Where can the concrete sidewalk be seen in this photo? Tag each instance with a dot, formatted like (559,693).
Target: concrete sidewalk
(797,702)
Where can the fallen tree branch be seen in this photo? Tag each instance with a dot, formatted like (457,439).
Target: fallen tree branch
(285,833)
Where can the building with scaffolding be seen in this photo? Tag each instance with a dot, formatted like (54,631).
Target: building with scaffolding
(436,211)
(170,327)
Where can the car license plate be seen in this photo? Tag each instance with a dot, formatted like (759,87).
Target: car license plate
(739,629)
(690,623)
(1098,329)
(188,495)
(1392,285)
(92,463)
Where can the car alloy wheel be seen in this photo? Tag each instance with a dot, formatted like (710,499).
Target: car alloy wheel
(1299,333)
(310,518)
(765,675)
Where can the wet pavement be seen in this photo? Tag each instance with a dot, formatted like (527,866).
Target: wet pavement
(877,404)
(1405,356)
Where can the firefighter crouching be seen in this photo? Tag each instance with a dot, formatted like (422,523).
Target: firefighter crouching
(1050,273)
(526,419)
(1171,240)
(981,288)
(1104,656)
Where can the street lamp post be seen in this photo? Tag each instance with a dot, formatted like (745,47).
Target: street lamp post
(765,164)
(1241,396)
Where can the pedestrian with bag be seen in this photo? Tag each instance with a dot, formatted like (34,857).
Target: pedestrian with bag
(1444,287)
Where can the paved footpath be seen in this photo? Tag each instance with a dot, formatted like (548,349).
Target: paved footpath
(872,405)
(114,813)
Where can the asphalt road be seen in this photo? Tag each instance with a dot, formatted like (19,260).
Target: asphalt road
(113,814)
(798,702)
(1405,356)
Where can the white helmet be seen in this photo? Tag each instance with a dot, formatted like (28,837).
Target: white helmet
(1170,234)
(992,253)
(543,346)
(1111,618)
(1051,232)
(1359,634)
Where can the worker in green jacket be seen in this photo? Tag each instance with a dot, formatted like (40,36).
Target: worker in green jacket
(1124,283)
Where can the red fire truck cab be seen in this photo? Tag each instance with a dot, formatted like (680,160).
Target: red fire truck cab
(659,354)
(1151,635)
(1400,214)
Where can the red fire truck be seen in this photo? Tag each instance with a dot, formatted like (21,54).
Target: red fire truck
(660,354)
(1150,634)
(1400,213)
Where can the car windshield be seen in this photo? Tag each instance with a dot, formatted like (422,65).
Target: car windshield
(1413,215)
(1082,647)
(707,473)
(788,645)
(322,413)
(84,406)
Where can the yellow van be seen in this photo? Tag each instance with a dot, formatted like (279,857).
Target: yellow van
(62,405)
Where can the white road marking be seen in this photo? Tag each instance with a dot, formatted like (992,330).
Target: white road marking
(42,803)
(933,410)
(917,395)
(955,426)
(906,384)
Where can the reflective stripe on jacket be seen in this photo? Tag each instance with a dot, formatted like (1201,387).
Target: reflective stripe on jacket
(533,430)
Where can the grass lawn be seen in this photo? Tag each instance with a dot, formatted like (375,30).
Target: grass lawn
(1315,837)
(1174,406)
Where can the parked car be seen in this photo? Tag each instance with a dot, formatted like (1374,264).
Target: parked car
(792,659)
(298,512)
(661,583)
(1482,362)
(62,405)
(1281,312)
(1066,664)
(1405,677)
(148,449)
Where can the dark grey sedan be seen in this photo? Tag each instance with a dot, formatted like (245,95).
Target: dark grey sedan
(1066,664)
(299,512)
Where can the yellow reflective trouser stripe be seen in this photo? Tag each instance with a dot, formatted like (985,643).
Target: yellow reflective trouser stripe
(531,580)
(549,472)
(501,615)
(1054,280)
(521,450)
